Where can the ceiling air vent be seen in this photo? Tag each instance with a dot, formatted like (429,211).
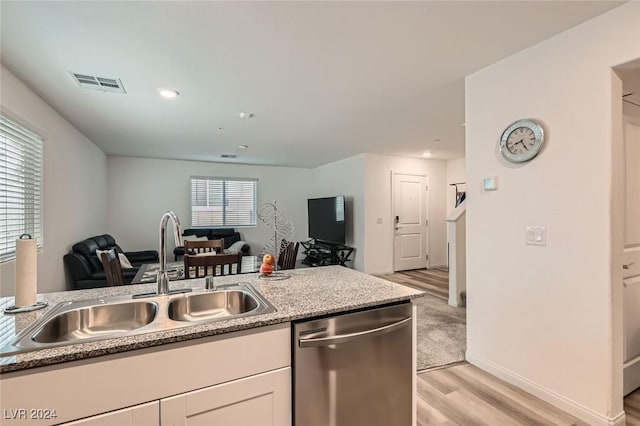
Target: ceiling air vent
(103,84)
(229,156)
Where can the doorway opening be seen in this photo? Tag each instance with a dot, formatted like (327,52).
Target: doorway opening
(626,211)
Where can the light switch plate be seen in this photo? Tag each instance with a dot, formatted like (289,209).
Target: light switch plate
(536,236)
(379,221)
(490,183)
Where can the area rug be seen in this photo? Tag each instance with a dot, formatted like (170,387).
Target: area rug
(442,333)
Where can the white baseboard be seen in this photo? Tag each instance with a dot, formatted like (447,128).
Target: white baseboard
(378,273)
(575,409)
(437,266)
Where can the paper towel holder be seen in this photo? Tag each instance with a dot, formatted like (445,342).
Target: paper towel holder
(39,305)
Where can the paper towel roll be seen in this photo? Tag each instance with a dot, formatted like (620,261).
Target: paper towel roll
(26,272)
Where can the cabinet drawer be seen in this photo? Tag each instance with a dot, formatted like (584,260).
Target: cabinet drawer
(264,399)
(140,415)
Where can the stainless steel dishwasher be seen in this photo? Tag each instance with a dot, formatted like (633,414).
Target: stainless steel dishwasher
(354,369)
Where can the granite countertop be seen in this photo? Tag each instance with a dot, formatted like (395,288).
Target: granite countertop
(310,292)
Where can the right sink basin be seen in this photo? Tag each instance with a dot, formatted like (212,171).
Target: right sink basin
(219,304)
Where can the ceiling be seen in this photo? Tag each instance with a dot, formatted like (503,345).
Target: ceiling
(325,80)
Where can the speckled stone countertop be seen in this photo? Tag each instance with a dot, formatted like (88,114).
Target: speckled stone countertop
(310,292)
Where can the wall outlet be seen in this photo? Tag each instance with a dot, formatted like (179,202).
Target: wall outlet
(536,236)
(379,221)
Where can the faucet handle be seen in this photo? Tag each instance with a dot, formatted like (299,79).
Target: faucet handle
(208,283)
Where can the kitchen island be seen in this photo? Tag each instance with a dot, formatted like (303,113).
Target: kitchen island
(133,376)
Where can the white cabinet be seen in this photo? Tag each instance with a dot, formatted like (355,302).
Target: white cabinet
(138,377)
(263,399)
(140,415)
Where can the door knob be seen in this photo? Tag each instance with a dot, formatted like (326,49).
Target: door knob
(628,265)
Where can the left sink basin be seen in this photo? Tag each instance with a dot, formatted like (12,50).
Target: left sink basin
(79,324)
(70,323)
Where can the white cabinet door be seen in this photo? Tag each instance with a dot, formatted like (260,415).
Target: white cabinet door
(263,399)
(140,415)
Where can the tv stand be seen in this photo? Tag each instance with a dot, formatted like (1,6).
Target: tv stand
(321,253)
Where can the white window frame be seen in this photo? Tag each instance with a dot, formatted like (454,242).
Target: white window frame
(225,204)
(21,179)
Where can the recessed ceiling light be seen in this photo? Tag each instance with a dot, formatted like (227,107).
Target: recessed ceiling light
(168,93)
(426,154)
(243,146)
(246,114)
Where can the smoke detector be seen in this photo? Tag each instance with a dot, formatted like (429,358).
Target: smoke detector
(103,84)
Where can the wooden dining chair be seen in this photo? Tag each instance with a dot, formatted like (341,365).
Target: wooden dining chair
(288,255)
(112,268)
(197,266)
(209,246)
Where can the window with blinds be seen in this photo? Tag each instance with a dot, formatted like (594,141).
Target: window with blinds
(223,202)
(20,186)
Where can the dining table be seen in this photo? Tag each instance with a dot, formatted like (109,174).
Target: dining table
(148,272)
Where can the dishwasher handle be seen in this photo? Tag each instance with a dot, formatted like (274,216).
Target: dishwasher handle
(346,338)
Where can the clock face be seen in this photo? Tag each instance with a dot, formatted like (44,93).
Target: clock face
(521,141)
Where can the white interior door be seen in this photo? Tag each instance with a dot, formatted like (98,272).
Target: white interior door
(410,221)
(631,258)
(631,254)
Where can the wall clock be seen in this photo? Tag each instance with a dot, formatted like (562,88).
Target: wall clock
(521,141)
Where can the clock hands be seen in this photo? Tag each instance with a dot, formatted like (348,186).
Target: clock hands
(521,142)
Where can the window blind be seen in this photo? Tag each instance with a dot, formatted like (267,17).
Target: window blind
(223,202)
(20,186)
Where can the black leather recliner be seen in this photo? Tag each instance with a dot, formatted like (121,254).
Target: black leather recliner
(84,268)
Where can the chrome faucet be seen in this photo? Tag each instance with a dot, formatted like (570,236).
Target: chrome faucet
(163,277)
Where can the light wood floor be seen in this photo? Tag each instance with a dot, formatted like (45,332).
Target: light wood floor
(465,395)
(632,408)
(433,281)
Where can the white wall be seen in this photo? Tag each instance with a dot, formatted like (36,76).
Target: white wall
(74,184)
(379,237)
(141,190)
(547,318)
(346,177)
(455,173)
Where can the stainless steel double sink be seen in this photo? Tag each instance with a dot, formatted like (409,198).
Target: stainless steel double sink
(86,321)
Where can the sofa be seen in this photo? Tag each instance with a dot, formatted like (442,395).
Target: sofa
(229,235)
(84,268)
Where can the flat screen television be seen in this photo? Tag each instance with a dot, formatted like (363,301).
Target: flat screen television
(326,219)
